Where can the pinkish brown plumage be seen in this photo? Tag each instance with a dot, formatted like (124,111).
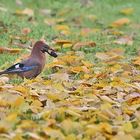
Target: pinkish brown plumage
(32,66)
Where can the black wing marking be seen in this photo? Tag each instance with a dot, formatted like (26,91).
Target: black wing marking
(19,67)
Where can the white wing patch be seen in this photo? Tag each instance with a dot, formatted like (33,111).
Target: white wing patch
(17,66)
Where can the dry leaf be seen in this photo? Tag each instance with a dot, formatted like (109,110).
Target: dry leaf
(127,11)
(120,22)
(61,42)
(9,50)
(109,56)
(26,11)
(137,61)
(26,31)
(125,40)
(83,44)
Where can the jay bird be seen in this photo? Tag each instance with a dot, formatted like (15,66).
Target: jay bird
(32,66)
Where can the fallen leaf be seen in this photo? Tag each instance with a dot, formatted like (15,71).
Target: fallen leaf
(62,27)
(54,133)
(127,11)
(62,42)
(123,137)
(67,45)
(137,61)
(79,45)
(108,56)
(120,22)
(26,31)
(4,80)
(46,12)
(125,40)
(11,117)
(19,2)
(50,21)
(9,50)
(26,11)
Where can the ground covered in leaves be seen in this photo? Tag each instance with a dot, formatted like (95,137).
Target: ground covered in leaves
(91,91)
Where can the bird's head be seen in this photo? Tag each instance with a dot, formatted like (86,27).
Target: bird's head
(40,46)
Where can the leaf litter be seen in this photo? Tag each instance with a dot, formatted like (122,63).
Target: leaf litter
(79,99)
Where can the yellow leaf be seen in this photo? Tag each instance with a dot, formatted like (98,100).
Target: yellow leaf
(86,76)
(133,101)
(116,68)
(127,127)
(79,45)
(92,17)
(96,30)
(70,59)
(27,124)
(17,137)
(54,97)
(67,45)
(3,129)
(120,22)
(76,69)
(137,61)
(26,11)
(9,50)
(3,103)
(65,32)
(36,103)
(106,127)
(60,20)
(61,42)
(47,82)
(69,126)
(50,21)
(58,63)
(11,117)
(62,27)
(118,51)
(107,99)
(127,11)
(19,101)
(91,130)
(87,63)
(54,133)
(106,106)
(73,113)
(71,137)
(123,137)
(36,106)
(23,90)
(109,56)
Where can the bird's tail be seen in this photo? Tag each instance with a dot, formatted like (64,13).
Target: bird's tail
(3,72)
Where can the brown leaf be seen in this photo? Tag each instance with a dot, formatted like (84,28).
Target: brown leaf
(9,50)
(109,56)
(26,11)
(125,40)
(26,30)
(62,42)
(79,45)
(137,61)
(120,22)
(4,80)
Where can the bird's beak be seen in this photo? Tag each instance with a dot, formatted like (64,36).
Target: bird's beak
(50,51)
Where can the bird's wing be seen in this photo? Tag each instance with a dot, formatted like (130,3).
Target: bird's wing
(20,67)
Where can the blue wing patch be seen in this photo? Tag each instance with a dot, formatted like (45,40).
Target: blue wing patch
(19,67)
